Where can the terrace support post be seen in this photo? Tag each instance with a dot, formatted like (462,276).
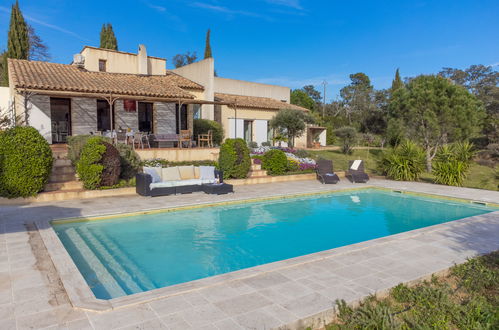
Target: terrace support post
(179,123)
(110,100)
(235,120)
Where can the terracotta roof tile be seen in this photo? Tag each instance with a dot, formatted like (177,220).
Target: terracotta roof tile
(256,102)
(183,82)
(70,78)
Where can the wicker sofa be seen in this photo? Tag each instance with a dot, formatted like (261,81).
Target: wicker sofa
(157,181)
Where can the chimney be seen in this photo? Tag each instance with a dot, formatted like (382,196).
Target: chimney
(142,60)
(79,60)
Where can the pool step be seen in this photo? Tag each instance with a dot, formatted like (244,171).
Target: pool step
(113,266)
(103,276)
(130,265)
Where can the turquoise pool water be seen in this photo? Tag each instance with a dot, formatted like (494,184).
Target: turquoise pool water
(122,256)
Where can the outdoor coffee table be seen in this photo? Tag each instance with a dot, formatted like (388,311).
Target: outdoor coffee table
(218,188)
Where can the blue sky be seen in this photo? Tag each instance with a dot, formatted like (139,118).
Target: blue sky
(288,42)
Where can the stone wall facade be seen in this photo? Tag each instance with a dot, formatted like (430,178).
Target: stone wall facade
(164,118)
(84,115)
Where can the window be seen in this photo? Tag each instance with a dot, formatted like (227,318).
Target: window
(102,65)
(248,130)
(145,117)
(104,116)
(196,111)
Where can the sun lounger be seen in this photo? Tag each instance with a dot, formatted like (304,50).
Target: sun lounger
(325,173)
(356,171)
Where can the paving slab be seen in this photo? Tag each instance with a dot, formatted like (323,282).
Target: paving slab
(38,280)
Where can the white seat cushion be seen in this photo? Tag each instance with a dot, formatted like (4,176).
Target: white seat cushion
(154,172)
(207,172)
(177,183)
(170,174)
(355,165)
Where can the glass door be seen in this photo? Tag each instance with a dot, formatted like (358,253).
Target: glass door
(60,116)
(145,117)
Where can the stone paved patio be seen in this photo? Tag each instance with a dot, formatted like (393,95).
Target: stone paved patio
(293,293)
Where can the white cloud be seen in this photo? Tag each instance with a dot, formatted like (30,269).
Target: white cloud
(228,11)
(48,25)
(288,3)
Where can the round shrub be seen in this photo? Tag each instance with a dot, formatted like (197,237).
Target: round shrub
(112,166)
(25,162)
(130,161)
(275,162)
(348,137)
(76,144)
(234,159)
(89,166)
(405,162)
(99,164)
(202,126)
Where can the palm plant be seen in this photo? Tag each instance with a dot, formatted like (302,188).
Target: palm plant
(405,162)
(452,163)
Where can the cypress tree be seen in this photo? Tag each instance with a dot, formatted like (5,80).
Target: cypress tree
(108,38)
(397,82)
(17,40)
(207,50)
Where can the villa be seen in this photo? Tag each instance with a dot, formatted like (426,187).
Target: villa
(103,90)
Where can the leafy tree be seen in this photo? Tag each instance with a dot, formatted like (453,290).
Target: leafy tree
(483,82)
(357,97)
(291,123)
(108,38)
(301,98)
(38,51)
(207,49)
(434,111)
(348,137)
(396,82)
(184,59)
(17,39)
(313,93)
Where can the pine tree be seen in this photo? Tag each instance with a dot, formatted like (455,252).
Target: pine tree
(397,82)
(207,50)
(17,40)
(108,38)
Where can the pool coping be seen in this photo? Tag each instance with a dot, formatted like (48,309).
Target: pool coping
(81,296)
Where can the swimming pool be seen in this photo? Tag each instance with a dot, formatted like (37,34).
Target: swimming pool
(127,255)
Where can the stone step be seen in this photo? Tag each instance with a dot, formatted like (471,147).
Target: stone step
(61,162)
(257,173)
(256,167)
(60,154)
(64,186)
(55,177)
(65,169)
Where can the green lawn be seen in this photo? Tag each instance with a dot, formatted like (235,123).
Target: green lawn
(468,298)
(482,177)
(340,160)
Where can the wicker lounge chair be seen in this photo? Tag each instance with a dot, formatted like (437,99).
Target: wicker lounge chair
(325,173)
(356,172)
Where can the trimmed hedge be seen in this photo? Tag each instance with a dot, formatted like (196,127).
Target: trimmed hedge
(129,160)
(25,162)
(275,162)
(112,166)
(234,159)
(202,126)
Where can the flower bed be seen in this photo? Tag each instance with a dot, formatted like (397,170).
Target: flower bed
(296,162)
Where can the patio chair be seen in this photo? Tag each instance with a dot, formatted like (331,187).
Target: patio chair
(325,173)
(121,137)
(356,172)
(185,136)
(138,140)
(207,139)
